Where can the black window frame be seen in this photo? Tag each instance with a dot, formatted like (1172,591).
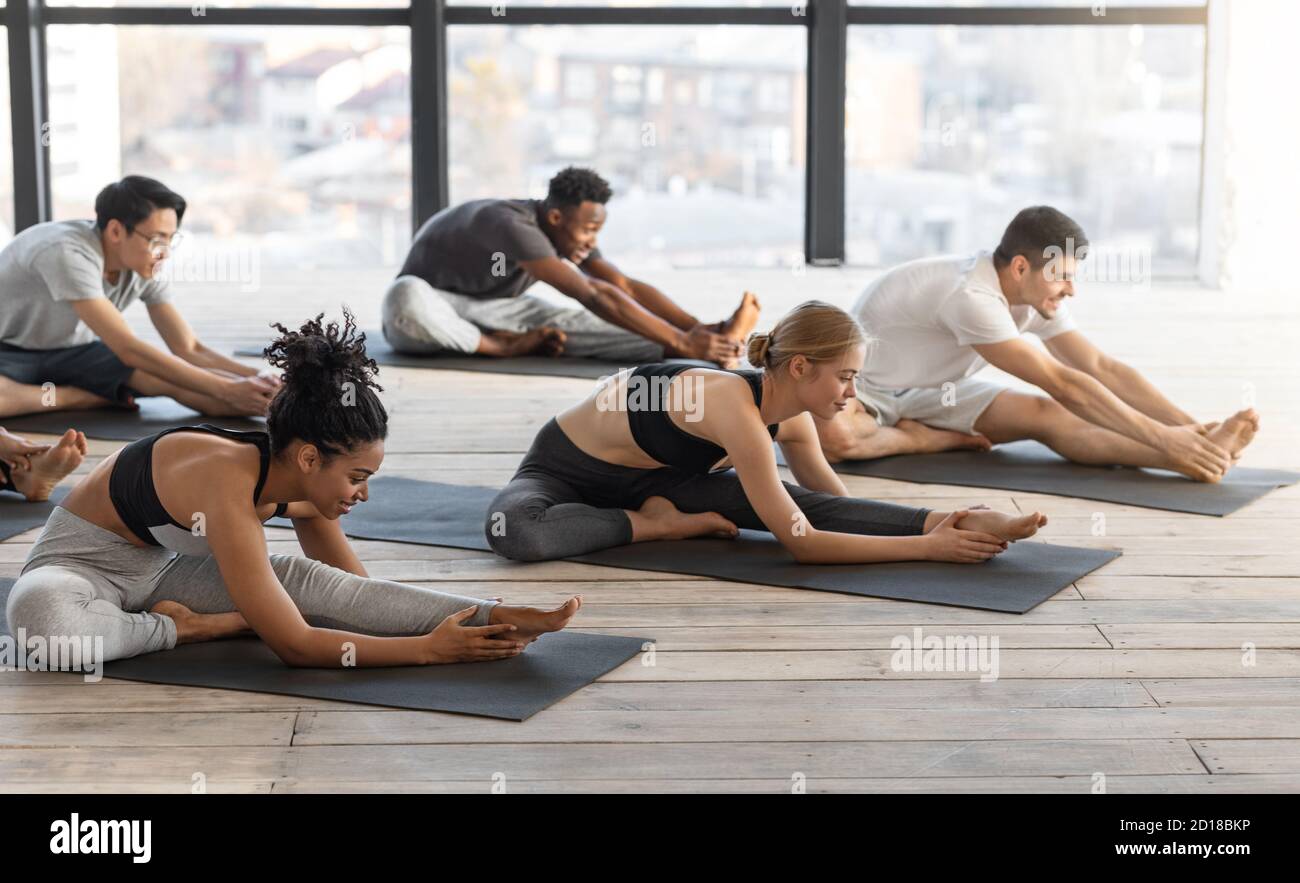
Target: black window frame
(827,23)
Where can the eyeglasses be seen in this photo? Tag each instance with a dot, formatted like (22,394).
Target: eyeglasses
(160,242)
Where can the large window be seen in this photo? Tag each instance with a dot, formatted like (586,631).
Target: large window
(198,7)
(1099,7)
(504,5)
(295,141)
(312,144)
(700,131)
(951,130)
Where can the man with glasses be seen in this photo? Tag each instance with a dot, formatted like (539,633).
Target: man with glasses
(63,342)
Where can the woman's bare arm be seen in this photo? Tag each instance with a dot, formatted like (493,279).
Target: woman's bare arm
(322,539)
(738,427)
(238,543)
(239,546)
(731,420)
(803,454)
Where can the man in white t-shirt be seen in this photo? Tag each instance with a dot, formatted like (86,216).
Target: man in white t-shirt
(936,322)
(63,342)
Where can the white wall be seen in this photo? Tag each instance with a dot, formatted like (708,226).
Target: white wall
(1253,145)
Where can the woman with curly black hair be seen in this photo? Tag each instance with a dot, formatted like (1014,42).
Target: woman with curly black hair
(162,543)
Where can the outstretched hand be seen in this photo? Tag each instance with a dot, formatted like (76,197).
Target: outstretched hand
(452,641)
(17,451)
(948,542)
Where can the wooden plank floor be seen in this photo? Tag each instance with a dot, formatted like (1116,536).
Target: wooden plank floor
(1139,673)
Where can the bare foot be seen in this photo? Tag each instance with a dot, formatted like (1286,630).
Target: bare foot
(742,322)
(929,440)
(1236,432)
(193,627)
(49,468)
(529,622)
(1008,527)
(659,519)
(544,341)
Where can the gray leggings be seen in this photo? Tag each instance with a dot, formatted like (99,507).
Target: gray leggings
(563,502)
(83,580)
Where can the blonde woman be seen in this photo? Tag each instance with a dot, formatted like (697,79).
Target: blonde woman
(669,451)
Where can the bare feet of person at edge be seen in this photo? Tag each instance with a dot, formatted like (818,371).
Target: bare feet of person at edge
(49,468)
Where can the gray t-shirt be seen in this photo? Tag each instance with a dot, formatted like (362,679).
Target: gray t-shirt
(475,248)
(44,269)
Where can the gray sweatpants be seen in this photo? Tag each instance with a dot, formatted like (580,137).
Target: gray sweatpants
(562,501)
(422,320)
(82,580)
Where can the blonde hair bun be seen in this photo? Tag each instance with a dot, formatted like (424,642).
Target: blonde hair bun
(759,344)
(815,329)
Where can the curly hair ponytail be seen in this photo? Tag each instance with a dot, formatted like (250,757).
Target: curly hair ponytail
(328,398)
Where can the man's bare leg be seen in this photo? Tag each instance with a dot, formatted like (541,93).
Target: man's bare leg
(854,434)
(1013,416)
(146,384)
(17,399)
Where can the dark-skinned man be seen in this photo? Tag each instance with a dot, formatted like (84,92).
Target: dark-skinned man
(462,287)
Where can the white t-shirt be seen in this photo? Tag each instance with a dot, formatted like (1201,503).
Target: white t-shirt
(925,316)
(44,269)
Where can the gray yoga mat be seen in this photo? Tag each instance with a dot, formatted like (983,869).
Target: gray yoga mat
(379,350)
(551,668)
(18,515)
(155,414)
(1030,466)
(1028,573)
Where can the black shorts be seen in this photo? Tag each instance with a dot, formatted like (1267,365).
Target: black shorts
(92,367)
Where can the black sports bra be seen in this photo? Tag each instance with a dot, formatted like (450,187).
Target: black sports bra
(649,389)
(130,487)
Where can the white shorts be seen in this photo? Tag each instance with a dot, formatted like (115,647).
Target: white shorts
(955,405)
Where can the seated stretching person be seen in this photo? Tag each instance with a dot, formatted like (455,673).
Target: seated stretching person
(162,543)
(33,470)
(936,322)
(461,289)
(637,461)
(63,287)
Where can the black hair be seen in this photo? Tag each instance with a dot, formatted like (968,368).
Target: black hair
(1035,230)
(573,186)
(316,404)
(133,199)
